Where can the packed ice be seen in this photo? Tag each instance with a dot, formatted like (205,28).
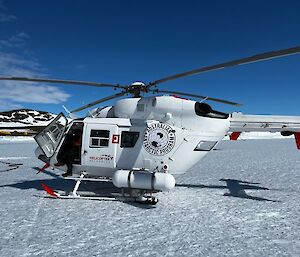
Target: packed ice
(241,200)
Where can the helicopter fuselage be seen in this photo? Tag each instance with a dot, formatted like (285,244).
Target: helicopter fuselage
(156,134)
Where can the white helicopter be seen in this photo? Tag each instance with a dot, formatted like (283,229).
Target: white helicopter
(141,143)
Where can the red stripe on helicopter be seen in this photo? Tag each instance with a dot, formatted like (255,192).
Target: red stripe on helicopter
(49,190)
(297,138)
(234,135)
(179,97)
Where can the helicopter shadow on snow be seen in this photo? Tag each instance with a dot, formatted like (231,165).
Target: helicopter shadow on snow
(59,184)
(236,188)
(9,166)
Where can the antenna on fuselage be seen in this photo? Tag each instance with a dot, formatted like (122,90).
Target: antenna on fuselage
(70,114)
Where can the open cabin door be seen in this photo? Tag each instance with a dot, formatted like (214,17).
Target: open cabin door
(100,145)
(49,138)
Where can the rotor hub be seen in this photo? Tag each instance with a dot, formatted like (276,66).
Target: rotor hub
(136,88)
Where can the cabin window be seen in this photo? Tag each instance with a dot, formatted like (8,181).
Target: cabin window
(129,139)
(205,145)
(140,107)
(99,138)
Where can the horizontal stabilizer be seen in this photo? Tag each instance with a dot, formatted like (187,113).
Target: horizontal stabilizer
(286,125)
(263,123)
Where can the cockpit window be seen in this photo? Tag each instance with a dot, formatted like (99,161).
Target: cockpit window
(129,139)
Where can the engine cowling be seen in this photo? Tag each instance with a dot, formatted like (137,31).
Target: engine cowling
(143,180)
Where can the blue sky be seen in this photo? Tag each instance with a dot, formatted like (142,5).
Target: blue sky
(125,41)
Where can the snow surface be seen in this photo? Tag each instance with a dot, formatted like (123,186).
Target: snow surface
(29,122)
(194,219)
(15,138)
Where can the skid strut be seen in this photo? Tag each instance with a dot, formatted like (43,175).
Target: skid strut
(76,187)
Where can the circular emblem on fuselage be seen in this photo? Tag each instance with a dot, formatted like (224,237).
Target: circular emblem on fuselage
(159,139)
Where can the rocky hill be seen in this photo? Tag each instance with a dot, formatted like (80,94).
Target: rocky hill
(25,118)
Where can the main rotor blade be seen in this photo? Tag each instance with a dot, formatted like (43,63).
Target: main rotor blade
(99,101)
(74,82)
(254,58)
(196,96)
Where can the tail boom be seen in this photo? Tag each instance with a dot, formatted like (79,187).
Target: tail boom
(286,125)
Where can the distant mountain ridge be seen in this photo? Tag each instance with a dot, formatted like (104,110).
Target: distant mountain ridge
(25,117)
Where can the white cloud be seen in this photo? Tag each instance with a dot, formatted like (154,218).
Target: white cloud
(22,92)
(15,65)
(13,94)
(17,40)
(9,106)
(26,92)
(5,17)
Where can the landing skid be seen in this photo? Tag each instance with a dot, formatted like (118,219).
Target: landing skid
(135,195)
(83,197)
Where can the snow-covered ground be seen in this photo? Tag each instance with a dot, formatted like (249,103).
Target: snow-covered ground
(194,219)
(16,139)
